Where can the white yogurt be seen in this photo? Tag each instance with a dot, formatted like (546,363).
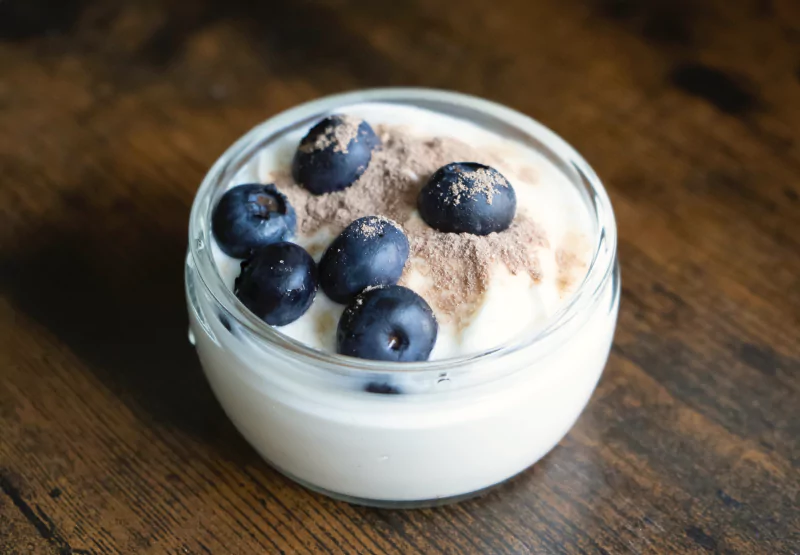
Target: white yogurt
(512,303)
(453,430)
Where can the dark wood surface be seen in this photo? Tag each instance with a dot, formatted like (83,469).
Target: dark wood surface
(111,112)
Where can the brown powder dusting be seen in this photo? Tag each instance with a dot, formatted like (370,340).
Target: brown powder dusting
(571,260)
(566,260)
(529,174)
(389,186)
(326,324)
(482,181)
(457,266)
(369,229)
(375,226)
(340,136)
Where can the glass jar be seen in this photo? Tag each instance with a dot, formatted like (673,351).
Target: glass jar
(458,426)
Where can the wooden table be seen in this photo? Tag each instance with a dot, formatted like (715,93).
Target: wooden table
(110,114)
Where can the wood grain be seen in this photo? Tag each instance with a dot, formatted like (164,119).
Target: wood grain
(111,112)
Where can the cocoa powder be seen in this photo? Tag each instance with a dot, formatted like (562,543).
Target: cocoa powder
(339,136)
(457,266)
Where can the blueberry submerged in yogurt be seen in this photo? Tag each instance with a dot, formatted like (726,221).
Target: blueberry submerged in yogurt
(382,388)
(226,322)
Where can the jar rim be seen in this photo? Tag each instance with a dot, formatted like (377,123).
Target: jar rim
(597,276)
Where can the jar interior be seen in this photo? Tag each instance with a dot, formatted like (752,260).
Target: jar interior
(494,118)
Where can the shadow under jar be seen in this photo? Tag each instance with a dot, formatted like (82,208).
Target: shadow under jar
(460,425)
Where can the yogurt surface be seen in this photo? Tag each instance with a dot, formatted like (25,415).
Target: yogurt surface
(512,302)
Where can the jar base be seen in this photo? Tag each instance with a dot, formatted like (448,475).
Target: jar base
(392,504)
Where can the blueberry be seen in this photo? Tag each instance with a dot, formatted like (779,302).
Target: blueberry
(466,197)
(229,325)
(382,387)
(278,283)
(370,251)
(387,323)
(252,216)
(334,153)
